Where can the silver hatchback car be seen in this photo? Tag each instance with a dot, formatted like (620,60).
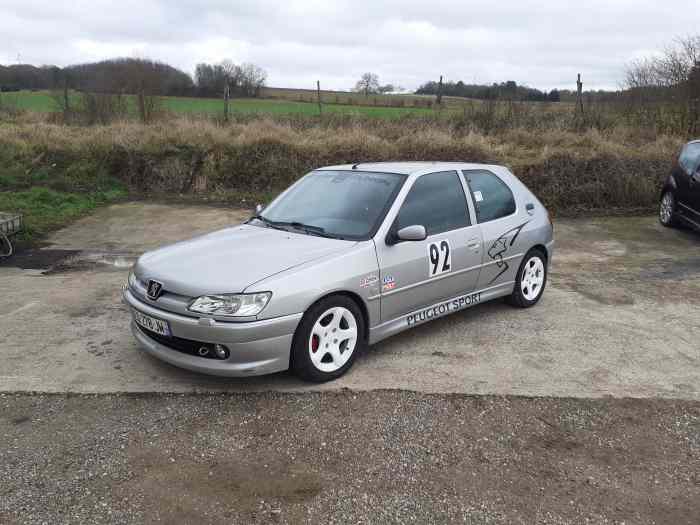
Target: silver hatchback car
(347,256)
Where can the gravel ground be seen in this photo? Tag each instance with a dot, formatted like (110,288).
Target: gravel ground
(347,457)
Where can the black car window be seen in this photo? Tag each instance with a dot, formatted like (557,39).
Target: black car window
(492,197)
(690,157)
(436,201)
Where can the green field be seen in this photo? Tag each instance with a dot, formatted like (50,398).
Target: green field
(43,101)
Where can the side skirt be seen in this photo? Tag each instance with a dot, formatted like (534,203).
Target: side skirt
(441,309)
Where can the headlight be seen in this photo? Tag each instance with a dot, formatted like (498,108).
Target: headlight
(231,305)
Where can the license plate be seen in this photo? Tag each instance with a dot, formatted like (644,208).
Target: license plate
(151,323)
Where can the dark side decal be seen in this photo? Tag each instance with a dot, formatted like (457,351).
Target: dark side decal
(500,247)
(453,305)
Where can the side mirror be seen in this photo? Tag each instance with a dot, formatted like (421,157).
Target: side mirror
(258,209)
(409,233)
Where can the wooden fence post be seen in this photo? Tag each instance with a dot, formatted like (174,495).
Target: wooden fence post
(227,91)
(66,103)
(579,95)
(439,93)
(318,96)
(142,106)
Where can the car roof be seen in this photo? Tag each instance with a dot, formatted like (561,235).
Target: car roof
(409,168)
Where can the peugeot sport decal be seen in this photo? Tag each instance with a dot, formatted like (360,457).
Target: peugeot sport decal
(500,247)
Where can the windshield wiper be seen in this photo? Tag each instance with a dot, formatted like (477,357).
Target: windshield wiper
(268,222)
(310,229)
(306,228)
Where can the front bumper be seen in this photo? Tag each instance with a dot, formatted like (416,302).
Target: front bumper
(257,347)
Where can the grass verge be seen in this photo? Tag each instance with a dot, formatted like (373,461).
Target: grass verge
(45,209)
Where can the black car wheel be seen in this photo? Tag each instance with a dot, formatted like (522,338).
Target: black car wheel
(667,209)
(328,339)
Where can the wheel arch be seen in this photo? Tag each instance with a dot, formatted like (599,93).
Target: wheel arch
(357,300)
(542,248)
(669,184)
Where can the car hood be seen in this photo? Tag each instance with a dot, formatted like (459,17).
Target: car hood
(230,260)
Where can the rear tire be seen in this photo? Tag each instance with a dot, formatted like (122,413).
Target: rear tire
(531,280)
(667,210)
(329,337)
(5,246)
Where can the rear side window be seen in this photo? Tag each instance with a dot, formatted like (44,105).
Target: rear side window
(436,201)
(492,196)
(690,157)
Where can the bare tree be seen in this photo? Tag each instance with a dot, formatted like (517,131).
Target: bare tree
(665,80)
(253,79)
(368,84)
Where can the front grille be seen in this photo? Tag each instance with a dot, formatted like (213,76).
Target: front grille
(186,346)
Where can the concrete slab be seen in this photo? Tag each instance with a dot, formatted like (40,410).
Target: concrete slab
(620,317)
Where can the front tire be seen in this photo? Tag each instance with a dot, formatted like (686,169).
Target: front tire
(531,281)
(667,209)
(328,339)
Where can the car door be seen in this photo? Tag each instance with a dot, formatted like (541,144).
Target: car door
(681,175)
(501,224)
(421,273)
(693,202)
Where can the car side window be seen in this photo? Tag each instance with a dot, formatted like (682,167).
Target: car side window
(492,197)
(435,201)
(684,159)
(690,158)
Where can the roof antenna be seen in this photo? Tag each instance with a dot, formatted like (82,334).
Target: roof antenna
(354,166)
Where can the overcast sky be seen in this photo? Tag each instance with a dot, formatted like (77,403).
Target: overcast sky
(406,42)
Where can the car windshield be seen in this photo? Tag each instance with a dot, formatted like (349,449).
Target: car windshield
(342,204)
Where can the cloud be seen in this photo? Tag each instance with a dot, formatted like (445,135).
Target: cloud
(406,42)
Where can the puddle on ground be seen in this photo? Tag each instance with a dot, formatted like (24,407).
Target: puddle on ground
(52,261)
(39,259)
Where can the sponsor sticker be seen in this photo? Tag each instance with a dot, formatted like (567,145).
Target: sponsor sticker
(460,303)
(388,283)
(368,281)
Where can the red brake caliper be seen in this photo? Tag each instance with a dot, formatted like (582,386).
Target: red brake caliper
(315,341)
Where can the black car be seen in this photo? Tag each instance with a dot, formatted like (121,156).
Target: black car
(680,197)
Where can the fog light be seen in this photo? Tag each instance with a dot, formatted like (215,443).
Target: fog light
(221,351)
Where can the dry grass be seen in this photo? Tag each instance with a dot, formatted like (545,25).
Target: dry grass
(616,169)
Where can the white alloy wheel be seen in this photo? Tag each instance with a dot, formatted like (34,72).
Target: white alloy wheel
(333,339)
(532,280)
(666,208)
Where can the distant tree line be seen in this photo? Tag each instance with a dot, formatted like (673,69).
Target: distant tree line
(132,76)
(25,76)
(509,90)
(245,80)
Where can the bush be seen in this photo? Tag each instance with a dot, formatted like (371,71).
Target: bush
(570,172)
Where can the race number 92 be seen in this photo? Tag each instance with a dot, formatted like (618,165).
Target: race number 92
(439,258)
